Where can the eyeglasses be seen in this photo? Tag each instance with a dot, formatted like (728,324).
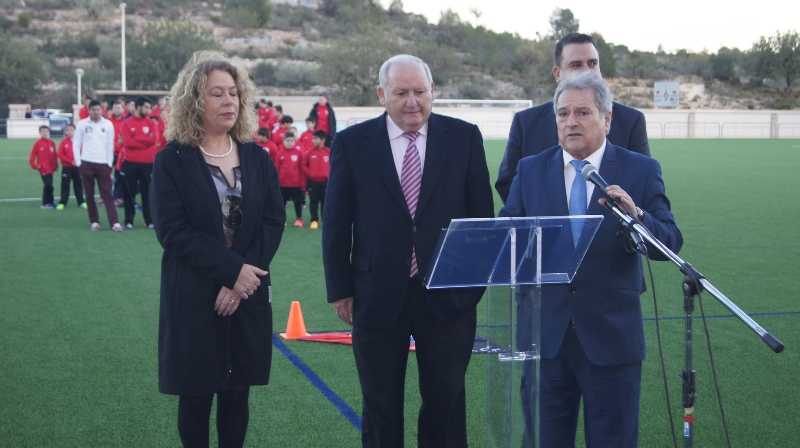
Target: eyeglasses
(234,218)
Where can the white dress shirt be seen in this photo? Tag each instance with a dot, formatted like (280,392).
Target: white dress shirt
(569,172)
(94,142)
(400,144)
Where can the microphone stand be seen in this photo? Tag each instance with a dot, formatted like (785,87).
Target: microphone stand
(693,283)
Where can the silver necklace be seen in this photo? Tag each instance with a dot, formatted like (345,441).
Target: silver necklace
(218,156)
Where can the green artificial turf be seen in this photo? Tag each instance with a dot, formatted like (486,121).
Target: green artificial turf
(80,309)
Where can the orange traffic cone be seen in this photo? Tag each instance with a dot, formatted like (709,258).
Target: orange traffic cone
(295,326)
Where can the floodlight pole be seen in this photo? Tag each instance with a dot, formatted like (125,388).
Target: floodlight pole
(122,11)
(79,74)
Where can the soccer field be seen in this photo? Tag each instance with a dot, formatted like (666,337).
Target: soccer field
(80,311)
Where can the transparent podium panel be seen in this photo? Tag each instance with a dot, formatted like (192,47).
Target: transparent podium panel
(510,251)
(516,256)
(511,343)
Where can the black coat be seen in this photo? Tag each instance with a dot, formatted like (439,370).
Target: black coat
(368,231)
(197,349)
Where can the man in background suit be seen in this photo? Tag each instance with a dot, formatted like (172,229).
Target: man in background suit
(395,182)
(534,130)
(592,333)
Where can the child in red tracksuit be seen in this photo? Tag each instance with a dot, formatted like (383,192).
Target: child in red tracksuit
(43,158)
(263,140)
(306,137)
(289,164)
(317,167)
(279,134)
(69,172)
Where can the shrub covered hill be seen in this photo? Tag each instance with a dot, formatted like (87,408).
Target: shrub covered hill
(336,46)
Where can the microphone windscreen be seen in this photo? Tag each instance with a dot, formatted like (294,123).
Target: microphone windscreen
(587,171)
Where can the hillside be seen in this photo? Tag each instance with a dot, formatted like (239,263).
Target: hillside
(335,49)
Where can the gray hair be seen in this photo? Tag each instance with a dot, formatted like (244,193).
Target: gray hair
(383,73)
(586,81)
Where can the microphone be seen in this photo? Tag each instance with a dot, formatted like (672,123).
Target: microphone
(634,241)
(590,173)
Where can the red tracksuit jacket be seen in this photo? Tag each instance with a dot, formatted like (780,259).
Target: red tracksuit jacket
(266,118)
(277,136)
(119,148)
(305,140)
(271,149)
(289,163)
(140,139)
(65,154)
(43,156)
(317,164)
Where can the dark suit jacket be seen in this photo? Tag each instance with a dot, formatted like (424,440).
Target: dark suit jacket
(368,231)
(196,347)
(534,130)
(603,298)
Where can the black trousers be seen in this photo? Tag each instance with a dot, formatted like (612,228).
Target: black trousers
(47,189)
(443,350)
(296,195)
(71,175)
(119,185)
(317,197)
(233,414)
(137,178)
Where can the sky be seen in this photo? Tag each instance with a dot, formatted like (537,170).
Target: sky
(694,25)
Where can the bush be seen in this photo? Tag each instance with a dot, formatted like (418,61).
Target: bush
(24,19)
(264,74)
(247,13)
(296,75)
(162,49)
(81,46)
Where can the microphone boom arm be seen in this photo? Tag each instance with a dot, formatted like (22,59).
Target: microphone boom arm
(687,269)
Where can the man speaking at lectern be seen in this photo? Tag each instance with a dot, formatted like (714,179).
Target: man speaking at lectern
(592,333)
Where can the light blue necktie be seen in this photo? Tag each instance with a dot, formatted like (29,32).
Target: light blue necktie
(577,199)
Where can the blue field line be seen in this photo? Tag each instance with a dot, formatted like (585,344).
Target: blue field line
(335,399)
(696,315)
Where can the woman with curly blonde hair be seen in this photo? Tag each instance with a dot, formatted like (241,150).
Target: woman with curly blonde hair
(219,216)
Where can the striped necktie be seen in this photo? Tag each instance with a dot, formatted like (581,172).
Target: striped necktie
(577,199)
(411,183)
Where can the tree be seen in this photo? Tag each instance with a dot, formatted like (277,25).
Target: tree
(723,64)
(248,13)
(22,73)
(396,7)
(778,57)
(608,64)
(352,67)
(563,22)
(157,55)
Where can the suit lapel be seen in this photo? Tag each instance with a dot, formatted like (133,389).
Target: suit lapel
(609,169)
(384,161)
(435,158)
(555,184)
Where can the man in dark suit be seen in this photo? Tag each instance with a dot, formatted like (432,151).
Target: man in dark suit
(534,130)
(592,334)
(396,181)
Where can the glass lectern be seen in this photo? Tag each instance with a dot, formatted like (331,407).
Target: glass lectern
(515,257)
